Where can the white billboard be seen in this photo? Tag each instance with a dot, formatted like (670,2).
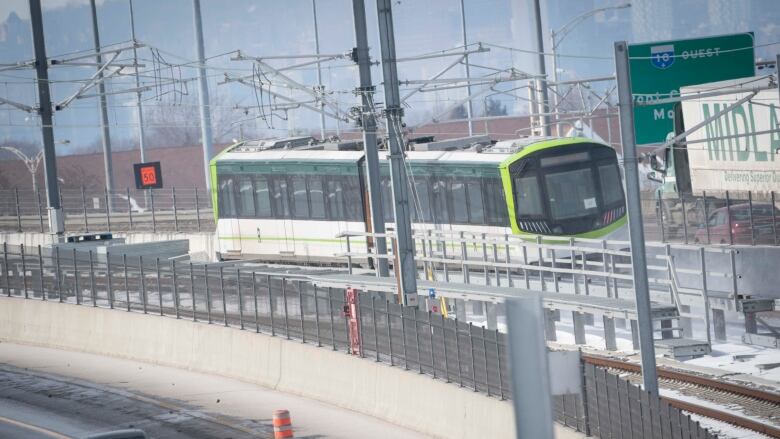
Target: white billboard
(740,150)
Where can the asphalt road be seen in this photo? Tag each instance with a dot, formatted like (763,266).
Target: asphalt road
(36,405)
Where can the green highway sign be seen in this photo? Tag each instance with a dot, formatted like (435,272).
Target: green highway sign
(659,69)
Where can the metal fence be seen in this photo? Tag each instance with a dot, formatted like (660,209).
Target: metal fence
(750,219)
(88,210)
(288,305)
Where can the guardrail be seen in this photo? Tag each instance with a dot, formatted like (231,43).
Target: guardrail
(180,210)
(287,305)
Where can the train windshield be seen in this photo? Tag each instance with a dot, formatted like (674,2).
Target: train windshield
(567,190)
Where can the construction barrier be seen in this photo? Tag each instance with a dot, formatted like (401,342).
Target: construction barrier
(282,424)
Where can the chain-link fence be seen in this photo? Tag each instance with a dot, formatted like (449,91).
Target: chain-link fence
(88,210)
(287,305)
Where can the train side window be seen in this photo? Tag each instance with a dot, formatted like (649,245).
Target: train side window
(495,203)
(387,199)
(317,197)
(280,197)
(476,210)
(421,186)
(262,198)
(335,200)
(460,210)
(300,198)
(246,198)
(440,202)
(227,202)
(353,202)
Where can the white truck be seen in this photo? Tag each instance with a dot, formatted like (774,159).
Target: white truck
(728,156)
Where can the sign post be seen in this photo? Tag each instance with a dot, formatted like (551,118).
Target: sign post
(659,69)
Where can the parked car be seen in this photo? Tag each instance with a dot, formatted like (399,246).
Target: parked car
(739,225)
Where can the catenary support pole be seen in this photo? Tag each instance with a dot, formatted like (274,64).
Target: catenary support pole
(138,98)
(467,70)
(407,271)
(544,112)
(636,231)
(203,92)
(56,219)
(105,133)
(368,123)
(319,69)
(528,366)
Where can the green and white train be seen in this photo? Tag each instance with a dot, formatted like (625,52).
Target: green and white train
(289,199)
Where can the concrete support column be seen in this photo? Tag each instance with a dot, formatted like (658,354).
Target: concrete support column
(460,309)
(685,322)
(549,325)
(666,334)
(579,327)
(492,316)
(751,325)
(635,335)
(609,334)
(719,324)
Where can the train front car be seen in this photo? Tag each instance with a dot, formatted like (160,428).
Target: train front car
(565,188)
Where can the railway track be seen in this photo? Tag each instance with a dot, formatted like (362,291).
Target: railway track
(750,408)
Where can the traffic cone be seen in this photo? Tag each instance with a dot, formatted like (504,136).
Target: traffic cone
(282,424)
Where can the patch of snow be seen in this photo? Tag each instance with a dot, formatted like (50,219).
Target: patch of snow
(724,356)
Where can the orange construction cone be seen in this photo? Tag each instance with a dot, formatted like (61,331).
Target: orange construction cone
(282,424)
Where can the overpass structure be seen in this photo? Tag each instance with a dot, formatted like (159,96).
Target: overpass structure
(218,318)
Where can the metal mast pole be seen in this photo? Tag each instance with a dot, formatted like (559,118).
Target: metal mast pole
(469,103)
(544,116)
(555,80)
(635,226)
(203,95)
(56,220)
(140,112)
(407,270)
(319,68)
(105,134)
(368,123)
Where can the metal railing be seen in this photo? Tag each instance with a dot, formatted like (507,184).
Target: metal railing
(90,210)
(747,219)
(290,306)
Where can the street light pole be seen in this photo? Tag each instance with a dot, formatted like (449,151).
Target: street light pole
(544,118)
(555,40)
(469,103)
(31,163)
(203,95)
(319,70)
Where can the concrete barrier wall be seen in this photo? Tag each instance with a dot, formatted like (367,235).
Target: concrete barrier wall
(403,398)
(204,242)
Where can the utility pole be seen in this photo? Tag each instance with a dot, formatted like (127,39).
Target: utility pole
(469,103)
(406,271)
(319,69)
(104,132)
(203,95)
(139,107)
(544,111)
(56,220)
(635,226)
(368,124)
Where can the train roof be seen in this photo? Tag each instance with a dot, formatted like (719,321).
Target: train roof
(305,149)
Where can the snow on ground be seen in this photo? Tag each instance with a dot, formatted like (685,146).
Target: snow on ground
(740,358)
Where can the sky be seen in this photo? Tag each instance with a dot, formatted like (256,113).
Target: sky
(284,27)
